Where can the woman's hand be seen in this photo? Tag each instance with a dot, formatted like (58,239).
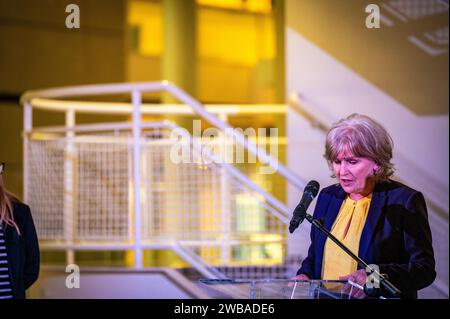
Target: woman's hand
(359,277)
(298,277)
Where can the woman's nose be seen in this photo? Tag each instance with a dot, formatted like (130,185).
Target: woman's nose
(342,168)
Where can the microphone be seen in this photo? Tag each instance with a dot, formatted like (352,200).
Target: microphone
(311,191)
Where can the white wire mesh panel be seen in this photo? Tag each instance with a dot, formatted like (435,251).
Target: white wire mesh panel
(199,203)
(45,187)
(174,194)
(103,166)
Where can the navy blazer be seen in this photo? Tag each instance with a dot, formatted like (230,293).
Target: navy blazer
(396,236)
(22,250)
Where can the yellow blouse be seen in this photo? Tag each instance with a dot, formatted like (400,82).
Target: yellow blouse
(348,228)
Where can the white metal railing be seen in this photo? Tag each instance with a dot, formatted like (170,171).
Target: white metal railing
(66,143)
(101,195)
(138,88)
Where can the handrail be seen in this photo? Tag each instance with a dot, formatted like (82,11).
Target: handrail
(198,108)
(324,122)
(153,108)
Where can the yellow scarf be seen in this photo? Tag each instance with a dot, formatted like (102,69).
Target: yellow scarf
(348,228)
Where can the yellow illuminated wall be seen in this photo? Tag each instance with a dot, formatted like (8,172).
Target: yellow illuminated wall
(235,38)
(146,17)
(236,54)
(257,6)
(236,49)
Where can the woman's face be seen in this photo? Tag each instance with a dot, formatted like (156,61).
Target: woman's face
(355,174)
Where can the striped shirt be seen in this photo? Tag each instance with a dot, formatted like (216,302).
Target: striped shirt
(5,282)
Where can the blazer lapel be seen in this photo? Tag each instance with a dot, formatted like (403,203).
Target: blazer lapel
(373,216)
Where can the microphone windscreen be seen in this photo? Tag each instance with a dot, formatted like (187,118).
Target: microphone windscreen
(313,187)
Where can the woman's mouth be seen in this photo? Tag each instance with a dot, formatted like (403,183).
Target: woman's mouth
(346,181)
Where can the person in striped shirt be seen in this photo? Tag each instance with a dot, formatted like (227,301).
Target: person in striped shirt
(19,248)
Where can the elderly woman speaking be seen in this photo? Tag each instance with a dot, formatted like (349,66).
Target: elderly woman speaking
(382,221)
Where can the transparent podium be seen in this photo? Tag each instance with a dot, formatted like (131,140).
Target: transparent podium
(281,289)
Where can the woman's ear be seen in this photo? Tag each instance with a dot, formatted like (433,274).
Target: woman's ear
(376,169)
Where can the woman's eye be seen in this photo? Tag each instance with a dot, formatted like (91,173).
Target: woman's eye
(337,162)
(353,162)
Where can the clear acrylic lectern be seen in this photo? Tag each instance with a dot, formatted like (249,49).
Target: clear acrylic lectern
(281,289)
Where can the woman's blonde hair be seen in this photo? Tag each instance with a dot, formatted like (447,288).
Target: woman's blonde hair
(363,137)
(6,209)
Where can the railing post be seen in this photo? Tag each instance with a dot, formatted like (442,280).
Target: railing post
(225,197)
(69,159)
(136,101)
(27,127)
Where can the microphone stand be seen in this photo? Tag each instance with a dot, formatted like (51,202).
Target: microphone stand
(393,291)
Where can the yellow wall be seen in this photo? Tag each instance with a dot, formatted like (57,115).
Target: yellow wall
(38,51)
(236,51)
